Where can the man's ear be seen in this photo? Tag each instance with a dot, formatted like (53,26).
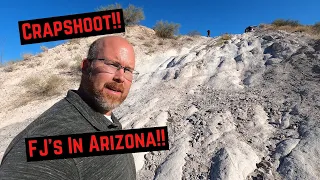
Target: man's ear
(85,66)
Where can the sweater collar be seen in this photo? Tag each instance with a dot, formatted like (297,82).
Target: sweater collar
(96,119)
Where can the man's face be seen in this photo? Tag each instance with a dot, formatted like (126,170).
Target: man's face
(111,89)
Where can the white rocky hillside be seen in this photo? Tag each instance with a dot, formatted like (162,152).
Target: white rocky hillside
(244,109)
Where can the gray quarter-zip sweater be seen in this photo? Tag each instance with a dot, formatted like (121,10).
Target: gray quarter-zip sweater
(70,115)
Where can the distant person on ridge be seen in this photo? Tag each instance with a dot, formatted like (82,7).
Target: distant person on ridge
(107,75)
(208,33)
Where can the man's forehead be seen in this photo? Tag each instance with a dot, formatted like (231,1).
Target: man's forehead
(121,56)
(121,53)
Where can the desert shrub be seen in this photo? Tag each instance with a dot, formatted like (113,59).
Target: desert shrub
(76,67)
(29,82)
(294,26)
(132,15)
(62,65)
(150,51)
(223,39)
(74,41)
(174,43)
(166,29)
(31,65)
(40,55)
(161,42)
(283,22)
(226,37)
(194,33)
(141,37)
(9,68)
(189,39)
(27,56)
(56,50)
(44,48)
(316,27)
(69,48)
(262,25)
(219,42)
(109,7)
(301,29)
(78,59)
(177,36)
(147,44)
(11,62)
(38,87)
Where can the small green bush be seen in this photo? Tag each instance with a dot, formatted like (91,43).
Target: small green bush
(132,15)
(283,22)
(166,29)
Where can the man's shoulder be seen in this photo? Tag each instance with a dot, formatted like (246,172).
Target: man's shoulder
(60,119)
(62,106)
(56,113)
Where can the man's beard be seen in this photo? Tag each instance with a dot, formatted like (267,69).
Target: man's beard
(103,101)
(108,102)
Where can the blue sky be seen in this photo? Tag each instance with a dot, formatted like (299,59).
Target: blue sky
(228,16)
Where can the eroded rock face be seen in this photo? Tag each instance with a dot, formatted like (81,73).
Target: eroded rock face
(317,45)
(245,109)
(235,161)
(259,91)
(302,162)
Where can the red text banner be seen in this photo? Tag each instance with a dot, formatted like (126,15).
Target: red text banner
(97,144)
(71,26)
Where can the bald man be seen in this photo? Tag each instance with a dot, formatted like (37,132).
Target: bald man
(107,75)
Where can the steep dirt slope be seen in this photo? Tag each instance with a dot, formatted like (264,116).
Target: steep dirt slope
(244,109)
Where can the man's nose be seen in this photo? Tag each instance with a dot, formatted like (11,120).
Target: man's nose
(119,75)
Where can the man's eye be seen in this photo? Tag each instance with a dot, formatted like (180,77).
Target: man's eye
(129,70)
(114,65)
